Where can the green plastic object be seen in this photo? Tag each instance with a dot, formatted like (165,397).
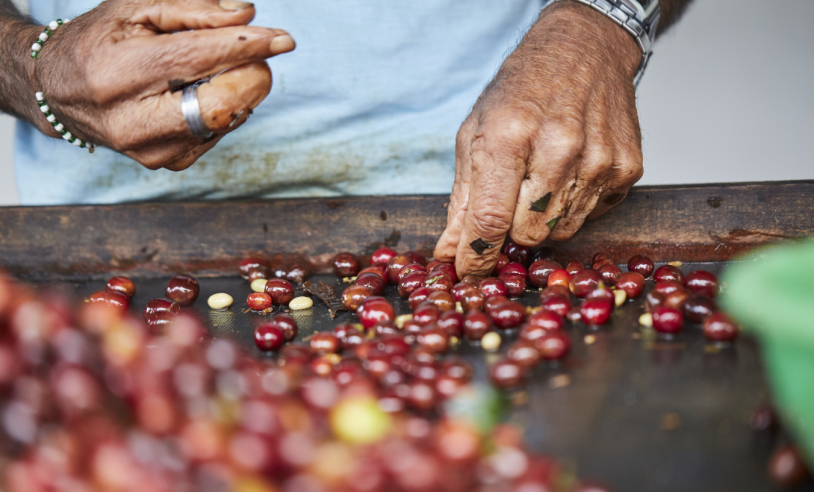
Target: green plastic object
(771,293)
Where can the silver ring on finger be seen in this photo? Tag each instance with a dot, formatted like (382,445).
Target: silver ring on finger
(192,111)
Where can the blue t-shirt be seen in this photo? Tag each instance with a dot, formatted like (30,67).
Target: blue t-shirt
(368,103)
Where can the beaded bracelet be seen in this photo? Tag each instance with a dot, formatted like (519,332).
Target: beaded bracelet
(46,110)
(53,26)
(66,135)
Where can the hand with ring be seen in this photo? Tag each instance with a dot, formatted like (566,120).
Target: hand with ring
(123,76)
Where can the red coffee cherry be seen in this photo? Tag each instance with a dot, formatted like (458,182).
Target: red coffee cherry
(667,320)
(353,296)
(701,282)
(540,270)
(642,265)
(582,283)
(506,374)
(372,281)
(382,255)
(632,283)
(720,328)
(510,314)
(554,345)
(346,265)
(268,337)
(595,312)
(183,289)
(373,310)
(259,301)
(123,285)
(668,272)
(502,260)
(515,284)
(559,277)
(281,291)
(493,287)
(476,324)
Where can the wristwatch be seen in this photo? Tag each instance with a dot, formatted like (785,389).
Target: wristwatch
(638,17)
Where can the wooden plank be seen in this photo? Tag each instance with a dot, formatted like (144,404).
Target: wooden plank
(687,223)
(697,223)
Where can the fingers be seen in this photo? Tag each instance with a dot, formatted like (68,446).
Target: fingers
(628,170)
(225,103)
(192,55)
(498,159)
(182,15)
(154,64)
(581,201)
(550,177)
(174,156)
(628,166)
(447,245)
(226,98)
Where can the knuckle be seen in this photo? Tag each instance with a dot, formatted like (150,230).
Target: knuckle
(508,131)
(591,173)
(491,224)
(564,141)
(601,156)
(150,161)
(630,170)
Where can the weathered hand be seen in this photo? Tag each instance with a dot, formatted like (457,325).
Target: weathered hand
(559,120)
(108,75)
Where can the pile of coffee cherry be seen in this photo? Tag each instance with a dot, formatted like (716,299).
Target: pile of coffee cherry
(95,399)
(446,311)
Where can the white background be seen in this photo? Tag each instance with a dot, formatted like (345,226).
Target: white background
(728,96)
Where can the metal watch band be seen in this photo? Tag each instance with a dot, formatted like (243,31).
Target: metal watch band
(638,18)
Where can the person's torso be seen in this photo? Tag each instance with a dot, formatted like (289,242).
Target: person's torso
(368,103)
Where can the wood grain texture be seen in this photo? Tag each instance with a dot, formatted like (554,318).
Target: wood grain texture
(691,223)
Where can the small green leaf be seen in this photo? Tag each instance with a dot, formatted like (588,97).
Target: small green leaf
(552,223)
(542,204)
(433,280)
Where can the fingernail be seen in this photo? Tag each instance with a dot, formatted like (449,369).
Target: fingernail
(282,44)
(552,223)
(234,4)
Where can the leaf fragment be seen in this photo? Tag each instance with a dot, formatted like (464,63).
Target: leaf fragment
(541,204)
(327,294)
(479,245)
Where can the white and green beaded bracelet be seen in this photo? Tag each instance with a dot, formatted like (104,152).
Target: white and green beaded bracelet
(53,26)
(66,135)
(46,110)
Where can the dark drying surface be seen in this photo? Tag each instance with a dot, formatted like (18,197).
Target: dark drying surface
(637,412)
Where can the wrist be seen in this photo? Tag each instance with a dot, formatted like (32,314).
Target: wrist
(19,81)
(595,33)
